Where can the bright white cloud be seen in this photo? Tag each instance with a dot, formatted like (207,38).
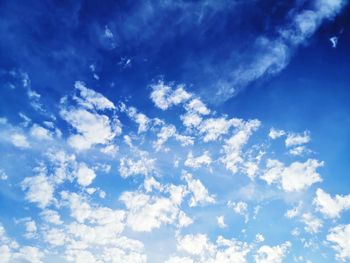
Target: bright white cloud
(19,140)
(331,207)
(295,139)
(276,254)
(340,237)
(85,175)
(197,162)
(164,96)
(91,99)
(39,190)
(295,177)
(200,194)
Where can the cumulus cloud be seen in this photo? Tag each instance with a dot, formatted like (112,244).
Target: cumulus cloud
(340,237)
(199,249)
(329,206)
(276,254)
(38,189)
(19,140)
(164,96)
(196,162)
(200,194)
(295,177)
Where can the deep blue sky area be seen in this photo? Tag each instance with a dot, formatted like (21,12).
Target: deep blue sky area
(183,131)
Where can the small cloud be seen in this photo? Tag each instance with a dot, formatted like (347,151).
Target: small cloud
(334,41)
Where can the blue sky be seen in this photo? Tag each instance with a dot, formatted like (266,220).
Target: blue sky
(174,131)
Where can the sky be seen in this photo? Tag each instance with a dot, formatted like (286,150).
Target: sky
(179,131)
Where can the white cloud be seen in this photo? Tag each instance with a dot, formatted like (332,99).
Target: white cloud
(197,162)
(296,177)
(233,146)
(200,194)
(164,96)
(334,41)
(240,208)
(221,221)
(40,132)
(39,190)
(92,128)
(19,140)
(272,55)
(276,254)
(91,99)
(312,223)
(274,134)
(259,238)
(294,139)
(331,207)
(85,175)
(146,212)
(340,236)
(202,250)
(51,216)
(142,166)
(197,106)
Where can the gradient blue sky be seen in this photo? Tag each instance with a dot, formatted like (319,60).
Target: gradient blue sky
(175,131)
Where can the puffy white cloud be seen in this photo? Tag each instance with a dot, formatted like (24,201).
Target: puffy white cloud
(295,177)
(39,190)
(312,223)
(91,99)
(276,254)
(221,221)
(167,132)
(85,175)
(331,207)
(40,132)
(200,194)
(259,238)
(294,211)
(143,166)
(233,146)
(164,96)
(240,208)
(196,162)
(222,251)
(146,212)
(51,216)
(197,106)
(294,139)
(214,128)
(340,236)
(274,134)
(19,140)
(92,128)
(11,251)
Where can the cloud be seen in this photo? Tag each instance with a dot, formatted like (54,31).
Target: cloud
(40,132)
(19,140)
(91,99)
(201,249)
(272,54)
(164,96)
(331,207)
(39,190)
(85,175)
(276,254)
(295,177)
(196,162)
(340,237)
(200,194)
(313,224)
